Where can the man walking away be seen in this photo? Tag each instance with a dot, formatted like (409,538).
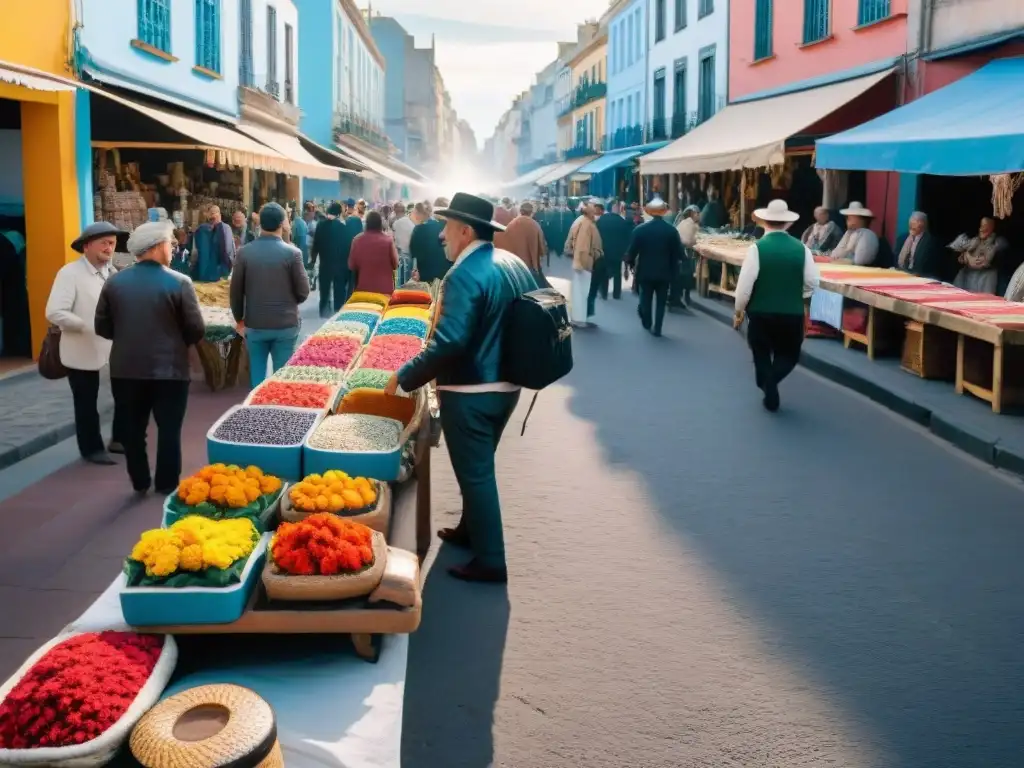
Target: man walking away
(584,246)
(598,275)
(402,229)
(777,273)
(615,232)
(683,281)
(464,356)
(428,253)
(268,284)
(525,239)
(653,254)
(72,308)
(152,316)
(353,219)
(332,242)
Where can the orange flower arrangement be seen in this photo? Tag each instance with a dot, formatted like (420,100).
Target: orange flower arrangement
(333,491)
(227,486)
(323,545)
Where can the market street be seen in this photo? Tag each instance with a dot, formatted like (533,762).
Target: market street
(696,582)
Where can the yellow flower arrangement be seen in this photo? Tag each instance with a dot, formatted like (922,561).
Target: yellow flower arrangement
(333,491)
(227,486)
(195,543)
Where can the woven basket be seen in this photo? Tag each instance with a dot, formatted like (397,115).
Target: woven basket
(281,586)
(377,517)
(102,749)
(241,726)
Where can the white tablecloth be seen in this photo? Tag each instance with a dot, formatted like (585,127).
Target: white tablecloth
(333,710)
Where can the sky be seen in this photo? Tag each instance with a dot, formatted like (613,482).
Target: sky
(486,61)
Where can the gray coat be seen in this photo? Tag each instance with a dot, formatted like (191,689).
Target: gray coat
(268,284)
(152,316)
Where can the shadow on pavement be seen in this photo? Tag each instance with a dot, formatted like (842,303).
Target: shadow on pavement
(871,561)
(454,671)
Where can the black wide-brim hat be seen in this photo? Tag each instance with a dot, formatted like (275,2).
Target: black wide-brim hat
(472,210)
(97,230)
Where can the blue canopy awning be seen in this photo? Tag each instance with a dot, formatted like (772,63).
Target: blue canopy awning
(973,127)
(616,158)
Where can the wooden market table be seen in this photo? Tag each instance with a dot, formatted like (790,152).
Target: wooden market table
(989,358)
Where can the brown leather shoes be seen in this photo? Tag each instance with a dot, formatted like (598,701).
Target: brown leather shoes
(474,570)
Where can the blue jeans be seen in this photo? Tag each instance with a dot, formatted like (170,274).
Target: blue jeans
(404,269)
(279,345)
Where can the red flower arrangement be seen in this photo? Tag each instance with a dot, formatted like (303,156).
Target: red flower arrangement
(328,351)
(78,689)
(299,394)
(389,353)
(322,544)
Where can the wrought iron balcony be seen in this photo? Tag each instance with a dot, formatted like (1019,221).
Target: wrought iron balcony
(352,125)
(579,150)
(583,94)
(273,88)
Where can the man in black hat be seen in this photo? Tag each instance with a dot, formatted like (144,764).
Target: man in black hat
(464,355)
(72,308)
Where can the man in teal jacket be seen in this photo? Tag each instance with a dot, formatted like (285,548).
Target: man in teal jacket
(464,356)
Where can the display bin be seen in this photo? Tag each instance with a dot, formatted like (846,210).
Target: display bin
(376,465)
(284,461)
(332,398)
(264,519)
(155,606)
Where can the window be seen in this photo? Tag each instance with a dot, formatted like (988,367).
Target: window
(638,34)
(155,24)
(679,98)
(208,34)
(629,51)
(289,64)
(245,74)
(762,30)
(706,84)
(870,11)
(273,87)
(660,9)
(705,8)
(816,20)
(658,131)
(680,14)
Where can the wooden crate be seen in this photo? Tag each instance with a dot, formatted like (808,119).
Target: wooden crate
(929,351)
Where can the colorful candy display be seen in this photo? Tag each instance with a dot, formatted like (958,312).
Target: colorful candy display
(369,378)
(315,373)
(329,351)
(390,352)
(403,326)
(356,432)
(265,426)
(298,394)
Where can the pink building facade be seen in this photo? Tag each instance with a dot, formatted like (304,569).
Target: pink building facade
(783,46)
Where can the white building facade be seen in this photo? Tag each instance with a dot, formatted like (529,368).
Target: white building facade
(687,68)
(543,119)
(627,74)
(268,48)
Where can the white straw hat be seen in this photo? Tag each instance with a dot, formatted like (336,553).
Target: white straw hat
(857,209)
(776,211)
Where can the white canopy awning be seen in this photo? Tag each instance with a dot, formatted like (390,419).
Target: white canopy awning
(753,134)
(379,168)
(289,146)
(529,178)
(35,82)
(561,170)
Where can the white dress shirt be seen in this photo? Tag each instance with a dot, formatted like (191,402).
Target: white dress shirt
(498,386)
(752,267)
(402,229)
(72,307)
(860,246)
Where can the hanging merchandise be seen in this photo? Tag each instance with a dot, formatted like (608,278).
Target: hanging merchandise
(1004,186)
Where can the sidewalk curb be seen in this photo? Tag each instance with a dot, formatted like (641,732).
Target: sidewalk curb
(41,442)
(978,445)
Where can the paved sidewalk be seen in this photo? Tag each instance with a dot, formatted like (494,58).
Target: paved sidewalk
(964,421)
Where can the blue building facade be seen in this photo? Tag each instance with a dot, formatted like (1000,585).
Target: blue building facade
(187,52)
(627,77)
(396,45)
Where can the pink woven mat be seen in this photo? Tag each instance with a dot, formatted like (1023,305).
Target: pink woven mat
(981,307)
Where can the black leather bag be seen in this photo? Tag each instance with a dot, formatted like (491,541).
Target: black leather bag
(50,366)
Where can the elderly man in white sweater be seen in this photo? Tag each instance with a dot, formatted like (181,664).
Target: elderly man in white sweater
(72,308)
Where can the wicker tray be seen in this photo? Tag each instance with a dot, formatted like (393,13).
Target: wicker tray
(102,749)
(280,586)
(377,517)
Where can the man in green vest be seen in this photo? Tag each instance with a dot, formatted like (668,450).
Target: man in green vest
(777,274)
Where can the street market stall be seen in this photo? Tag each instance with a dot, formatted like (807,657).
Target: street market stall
(302,526)
(936,327)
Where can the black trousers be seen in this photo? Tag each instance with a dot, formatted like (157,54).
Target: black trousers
(614,270)
(775,342)
(165,400)
(334,290)
(653,292)
(85,392)
(598,278)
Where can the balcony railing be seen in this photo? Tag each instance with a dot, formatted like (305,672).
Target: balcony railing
(580,150)
(583,94)
(273,88)
(659,129)
(351,125)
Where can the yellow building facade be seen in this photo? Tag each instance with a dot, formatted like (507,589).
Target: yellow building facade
(35,41)
(589,69)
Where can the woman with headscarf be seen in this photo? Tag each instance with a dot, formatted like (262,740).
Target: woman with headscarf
(151,315)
